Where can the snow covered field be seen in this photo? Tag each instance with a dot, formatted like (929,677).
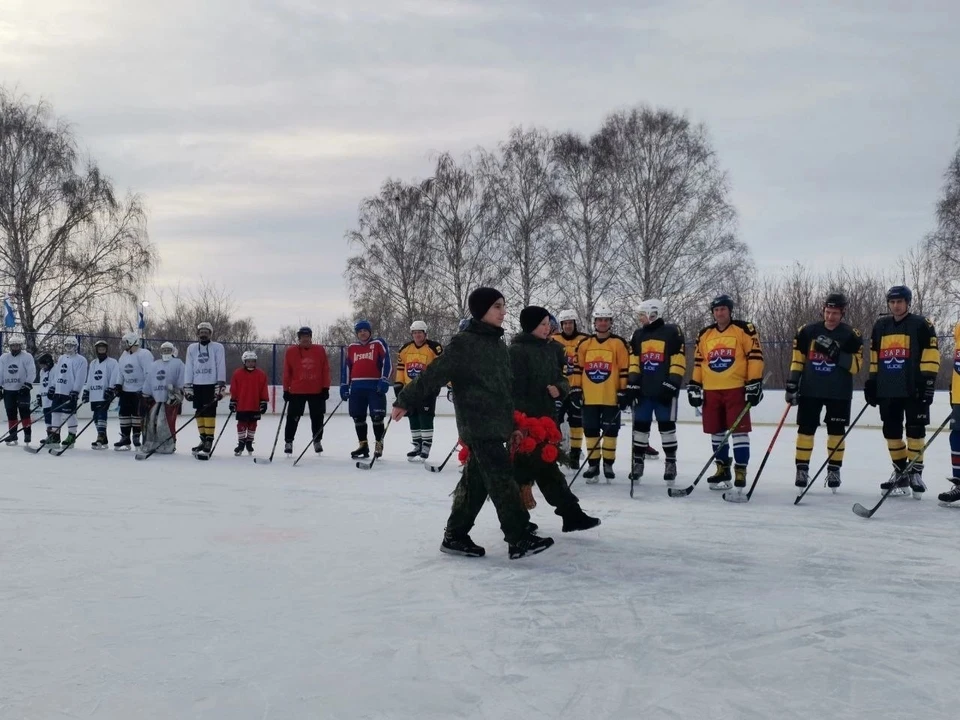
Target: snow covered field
(176,589)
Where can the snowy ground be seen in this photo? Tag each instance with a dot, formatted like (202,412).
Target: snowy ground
(175,589)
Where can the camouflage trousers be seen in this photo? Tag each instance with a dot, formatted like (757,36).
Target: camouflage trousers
(552,483)
(488,473)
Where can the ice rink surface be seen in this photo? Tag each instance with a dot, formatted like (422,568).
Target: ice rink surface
(172,588)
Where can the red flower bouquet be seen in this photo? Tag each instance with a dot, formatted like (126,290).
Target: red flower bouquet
(535,440)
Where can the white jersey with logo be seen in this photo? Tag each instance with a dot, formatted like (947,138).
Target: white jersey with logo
(44,385)
(206,364)
(69,374)
(162,376)
(100,377)
(132,370)
(17,370)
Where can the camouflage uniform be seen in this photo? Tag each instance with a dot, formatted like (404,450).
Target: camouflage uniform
(477,366)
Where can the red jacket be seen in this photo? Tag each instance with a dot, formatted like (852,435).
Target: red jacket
(248,388)
(306,371)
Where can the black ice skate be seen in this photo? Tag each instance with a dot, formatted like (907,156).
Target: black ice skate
(720,480)
(362,451)
(460,545)
(425,450)
(575,519)
(136,440)
(950,496)
(249,445)
(122,444)
(897,484)
(669,470)
(378,449)
(11,442)
(414,454)
(608,472)
(101,442)
(592,473)
(318,447)
(637,471)
(238,450)
(530,544)
(833,478)
(575,459)
(917,486)
(288,448)
(802,478)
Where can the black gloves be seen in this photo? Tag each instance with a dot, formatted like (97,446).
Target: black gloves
(695,395)
(753,391)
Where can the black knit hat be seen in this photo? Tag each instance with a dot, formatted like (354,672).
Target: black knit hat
(531,316)
(481,300)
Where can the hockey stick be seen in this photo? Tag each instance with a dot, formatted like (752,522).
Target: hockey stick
(319,433)
(432,467)
(587,459)
(831,454)
(56,431)
(363,465)
(206,456)
(739,497)
(145,455)
(684,492)
(863,512)
(633,451)
(267,461)
(12,430)
(58,451)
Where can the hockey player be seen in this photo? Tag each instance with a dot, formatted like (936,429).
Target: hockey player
(599,387)
(413,358)
(477,363)
(69,375)
(365,372)
(826,356)
(99,391)
(904,361)
(727,375)
(249,398)
(133,368)
(45,363)
(205,382)
(569,337)
(658,363)
(651,452)
(17,373)
(953,494)
(162,395)
(306,384)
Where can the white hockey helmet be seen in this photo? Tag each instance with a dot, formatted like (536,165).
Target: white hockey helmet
(70,343)
(602,311)
(205,326)
(130,339)
(418,325)
(652,308)
(566,315)
(168,350)
(16,339)
(249,355)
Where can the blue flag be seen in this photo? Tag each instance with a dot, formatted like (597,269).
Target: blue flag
(9,318)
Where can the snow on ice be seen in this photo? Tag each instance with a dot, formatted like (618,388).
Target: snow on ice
(176,589)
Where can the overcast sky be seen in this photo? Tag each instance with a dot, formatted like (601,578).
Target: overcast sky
(254,127)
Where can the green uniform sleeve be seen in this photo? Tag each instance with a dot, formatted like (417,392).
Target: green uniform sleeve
(427,384)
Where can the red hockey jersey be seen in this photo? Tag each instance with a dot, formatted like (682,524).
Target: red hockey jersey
(248,388)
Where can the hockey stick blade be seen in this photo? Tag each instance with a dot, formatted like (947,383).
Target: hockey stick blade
(58,451)
(262,461)
(32,450)
(141,456)
(680,492)
(863,512)
(434,468)
(365,465)
(736,497)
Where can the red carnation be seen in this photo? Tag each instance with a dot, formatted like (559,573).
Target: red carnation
(549,453)
(527,445)
(518,418)
(537,432)
(463,455)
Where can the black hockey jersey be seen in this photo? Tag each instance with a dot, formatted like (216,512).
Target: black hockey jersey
(902,353)
(817,374)
(657,352)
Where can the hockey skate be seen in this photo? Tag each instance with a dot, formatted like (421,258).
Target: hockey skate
(897,484)
(122,444)
(362,451)
(720,480)
(592,474)
(69,440)
(460,545)
(636,472)
(11,442)
(802,478)
(917,486)
(288,449)
(238,450)
(318,447)
(378,449)
(101,442)
(249,446)
(529,545)
(414,454)
(206,449)
(608,472)
(136,440)
(425,451)
(575,459)
(669,470)
(739,484)
(950,496)
(833,478)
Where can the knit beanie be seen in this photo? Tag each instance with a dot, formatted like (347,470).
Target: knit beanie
(531,316)
(481,300)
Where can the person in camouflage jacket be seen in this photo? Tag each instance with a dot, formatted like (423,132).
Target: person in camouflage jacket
(477,366)
(538,382)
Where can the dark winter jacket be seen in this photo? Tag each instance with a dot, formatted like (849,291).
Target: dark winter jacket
(477,366)
(535,365)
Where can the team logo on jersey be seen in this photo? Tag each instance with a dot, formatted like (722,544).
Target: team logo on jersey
(203,359)
(956,361)
(598,370)
(161,374)
(98,374)
(363,355)
(651,360)
(63,369)
(893,353)
(415,368)
(13,370)
(820,363)
(128,369)
(720,359)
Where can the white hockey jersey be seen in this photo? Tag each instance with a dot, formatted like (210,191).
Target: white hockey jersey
(100,377)
(17,370)
(44,385)
(206,364)
(69,374)
(164,377)
(132,370)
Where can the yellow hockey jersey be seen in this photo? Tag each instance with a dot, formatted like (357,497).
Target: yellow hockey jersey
(412,359)
(728,359)
(955,376)
(570,349)
(601,369)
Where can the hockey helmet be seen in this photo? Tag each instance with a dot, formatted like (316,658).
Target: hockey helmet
(652,308)
(835,300)
(70,344)
(602,312)
(723,300)
(363,325)
(900,292)
(168,350)
(16,339)
(418,325)
(248,356)
(304,331)
(100,344)
(130,340)
(45,360)
(205,326)
(566,316)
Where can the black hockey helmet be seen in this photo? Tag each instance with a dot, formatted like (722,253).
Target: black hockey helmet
(900,292)
(836,300)
(45,359)
(721,301)
(304,331)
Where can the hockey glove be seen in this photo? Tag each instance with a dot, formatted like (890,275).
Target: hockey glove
(791,390)
(634,393)
(232,407)
(74,396)
(263,407)
(108,395)
(86,396)
(828,346)
(668,391)
(188,392)
(51,392)
(927,389)
(25,393)
(623,400)
(383,386)
(753,392)
(286,396)
(576,398)
(221,391)
(870,391)
(695,395)
(325,394)
(344,392)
